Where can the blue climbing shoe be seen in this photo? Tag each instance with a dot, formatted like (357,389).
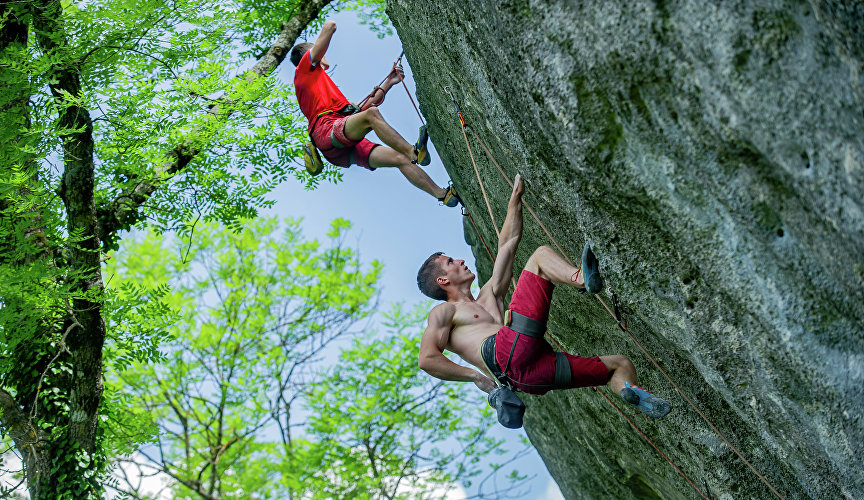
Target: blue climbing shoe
(648,403)
(423,156)
(450,198)
(591,270)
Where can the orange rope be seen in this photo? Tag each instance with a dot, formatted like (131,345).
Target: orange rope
(408,92)
(542,226)
(374,90)
(480,181)
(632,424)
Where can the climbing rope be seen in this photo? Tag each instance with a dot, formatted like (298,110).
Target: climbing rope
(616,314)
(489,208)
(377,87)
(632,424)
(477,172)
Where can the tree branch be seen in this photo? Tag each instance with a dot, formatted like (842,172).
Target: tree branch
(25,436)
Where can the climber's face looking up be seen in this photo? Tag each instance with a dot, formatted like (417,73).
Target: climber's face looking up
(455,271)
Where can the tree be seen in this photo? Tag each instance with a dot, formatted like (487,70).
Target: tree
(115,115)
(255,310)
(243,404)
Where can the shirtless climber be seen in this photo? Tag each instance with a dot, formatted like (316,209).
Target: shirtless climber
(476,329)
(338,128)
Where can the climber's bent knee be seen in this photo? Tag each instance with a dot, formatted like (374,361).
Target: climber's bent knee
(535,262)
(617,362)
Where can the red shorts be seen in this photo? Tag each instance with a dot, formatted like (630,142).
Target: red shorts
(329,137)
(532,367)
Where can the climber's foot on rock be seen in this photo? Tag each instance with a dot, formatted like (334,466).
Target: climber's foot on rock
(646,402)
(450,198)
(591,271)
(421,149)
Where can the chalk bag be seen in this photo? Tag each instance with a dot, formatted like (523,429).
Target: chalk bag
(510,407)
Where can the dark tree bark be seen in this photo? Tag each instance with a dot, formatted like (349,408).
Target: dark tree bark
(28,439)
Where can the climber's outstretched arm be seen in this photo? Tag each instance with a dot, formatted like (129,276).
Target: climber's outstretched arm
(316,53)
(376,97)
(508,241)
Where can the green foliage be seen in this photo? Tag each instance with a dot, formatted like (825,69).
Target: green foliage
(181,133)
(253,308)
(242,400)
(373,14)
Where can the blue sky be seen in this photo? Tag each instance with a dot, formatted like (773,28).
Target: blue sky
(393,221)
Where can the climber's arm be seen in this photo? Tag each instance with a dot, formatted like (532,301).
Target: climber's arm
(508,241)
(432,345)
(376,97)
(316,53)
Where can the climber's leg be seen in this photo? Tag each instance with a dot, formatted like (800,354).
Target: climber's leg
(386,157)
(548,264)
(360,124)
(621,370)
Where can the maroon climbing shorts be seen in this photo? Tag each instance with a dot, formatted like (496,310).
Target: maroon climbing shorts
(532,366)
(329,137)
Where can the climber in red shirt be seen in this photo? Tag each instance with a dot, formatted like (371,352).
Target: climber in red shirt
(338,128)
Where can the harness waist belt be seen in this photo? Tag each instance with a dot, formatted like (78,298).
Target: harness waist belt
(347,110)
(563,375)
(487,352)
(525,325)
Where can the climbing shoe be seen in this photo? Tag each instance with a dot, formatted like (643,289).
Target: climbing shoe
(423,157)
(450,198)
(648,403)
(312,159)
(591,271)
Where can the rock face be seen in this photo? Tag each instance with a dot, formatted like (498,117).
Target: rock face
(713,152)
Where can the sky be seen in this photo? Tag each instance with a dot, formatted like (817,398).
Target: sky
(394,222)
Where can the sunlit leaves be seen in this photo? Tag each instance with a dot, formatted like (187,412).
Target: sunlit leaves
(254,307)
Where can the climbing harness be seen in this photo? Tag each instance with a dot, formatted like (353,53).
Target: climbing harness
(523,325)
(616,313)
(311,155)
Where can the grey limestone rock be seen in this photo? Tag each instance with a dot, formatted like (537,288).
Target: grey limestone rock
(713,152)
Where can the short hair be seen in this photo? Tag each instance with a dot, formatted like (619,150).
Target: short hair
(427,278)
(298,51)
